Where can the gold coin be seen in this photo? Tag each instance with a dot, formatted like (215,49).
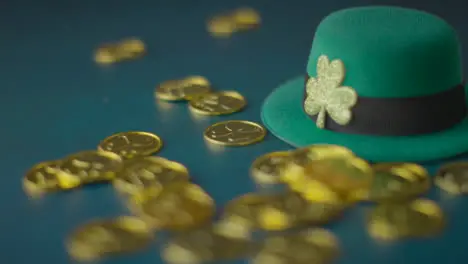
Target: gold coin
(44,177)
(219,103)
(194,86)
(106,54)
(131,48)
(235,133)
(349,176)
(184,89)
(92,166)
(267,169)
(246,207)
(205,245)
(149,172)
(99,239)
(397,181)
(179,206)
(132,144)
(221,26)
(293,171)
(453,177)
(246,18)
(309,246)
(418,218)
(292,210)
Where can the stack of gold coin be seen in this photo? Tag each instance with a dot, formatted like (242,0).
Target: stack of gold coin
(225,25)
(102,238)
(127,49)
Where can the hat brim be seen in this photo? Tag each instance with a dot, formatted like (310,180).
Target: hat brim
(283,115)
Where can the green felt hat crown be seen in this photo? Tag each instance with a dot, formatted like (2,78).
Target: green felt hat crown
(390,52)
(386,82)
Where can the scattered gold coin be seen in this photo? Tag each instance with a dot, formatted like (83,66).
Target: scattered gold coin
(397,181)
(267,169)
(205,245)
(123,50)
(99,239)
(246,18)
(106,54)
(418,218)
(221,26)
(235,133)
(183,89)
(148,172)
(310,246)
(292,210)
(131,48)
(132,144)
(453,178)
(179,206)
(218,103)
(92,166)
(48,177)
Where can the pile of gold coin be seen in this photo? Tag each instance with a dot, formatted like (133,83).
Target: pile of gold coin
(127,49)
(239,20)
(333,178)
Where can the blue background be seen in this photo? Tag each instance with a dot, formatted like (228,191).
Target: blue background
(54,100)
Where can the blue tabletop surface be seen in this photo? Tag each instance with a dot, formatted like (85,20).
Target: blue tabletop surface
(54,100)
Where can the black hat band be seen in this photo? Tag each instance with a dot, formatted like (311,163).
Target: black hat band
(403,116)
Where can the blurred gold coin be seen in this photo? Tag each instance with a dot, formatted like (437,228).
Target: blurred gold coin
(205,245)
(148,172)
(106,54)
(235,133)
(194,86)
(183,89)
(309,246)
(267,169)
(132,144)
(397,181)
(99,239)
(348,176)
(221,26)
(131,48)
(418,218)
(92,166)
(179,206)
(247,206)
(294,169)
(219,103)
(43,178)
(453,177)
(246,18)
(292,210)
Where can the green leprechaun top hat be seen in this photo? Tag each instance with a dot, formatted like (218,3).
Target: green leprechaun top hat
(385,82)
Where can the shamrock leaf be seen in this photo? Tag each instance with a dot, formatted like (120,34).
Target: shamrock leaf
(324,94)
